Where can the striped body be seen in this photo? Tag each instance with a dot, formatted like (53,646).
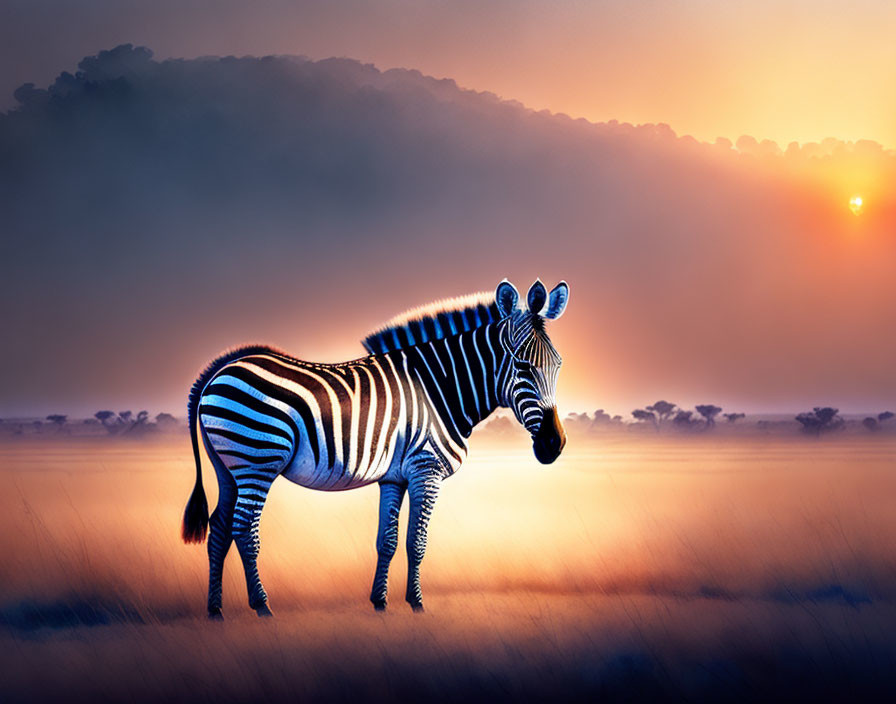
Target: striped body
(341,426)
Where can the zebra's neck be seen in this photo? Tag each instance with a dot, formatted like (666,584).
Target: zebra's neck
(462,376)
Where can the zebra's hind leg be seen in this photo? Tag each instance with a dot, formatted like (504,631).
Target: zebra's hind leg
(391,496)
(220,530)
(220,538)
(252,490)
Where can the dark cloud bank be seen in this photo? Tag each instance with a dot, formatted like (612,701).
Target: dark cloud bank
(155,212)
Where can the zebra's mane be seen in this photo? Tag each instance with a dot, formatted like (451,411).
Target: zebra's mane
(433,321)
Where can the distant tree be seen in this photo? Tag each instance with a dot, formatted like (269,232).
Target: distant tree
(870,424)
(734,417)
(709,413)
(683,420)
(601,417)
(111,421)
(827,415)
(643,416)
(135,424)
(57,420)
(166,420)
(885,416)
(821,419)
(104,416)
(810,423)
(662,409)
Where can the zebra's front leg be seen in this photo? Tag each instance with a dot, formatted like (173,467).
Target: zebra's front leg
(391,496)
(423,489)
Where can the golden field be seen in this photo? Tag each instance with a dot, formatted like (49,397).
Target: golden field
(633,568)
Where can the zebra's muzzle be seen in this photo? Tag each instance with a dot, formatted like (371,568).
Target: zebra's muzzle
(548,442)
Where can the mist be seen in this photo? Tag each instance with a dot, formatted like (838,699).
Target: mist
(156,212)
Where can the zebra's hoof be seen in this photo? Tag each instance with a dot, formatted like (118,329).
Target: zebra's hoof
(264,611)
(215,615)
(378,605)
(417,607)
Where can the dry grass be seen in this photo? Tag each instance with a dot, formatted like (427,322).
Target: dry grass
(641,568)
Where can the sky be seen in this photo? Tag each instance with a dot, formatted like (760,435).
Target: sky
(776,69)
(157,212)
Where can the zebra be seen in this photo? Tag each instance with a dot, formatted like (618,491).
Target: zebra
(400,416)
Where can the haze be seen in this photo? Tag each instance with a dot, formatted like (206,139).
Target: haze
(156,212)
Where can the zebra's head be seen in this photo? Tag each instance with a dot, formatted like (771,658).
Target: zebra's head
(529,384)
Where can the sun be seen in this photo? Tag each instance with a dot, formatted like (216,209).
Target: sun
(856,204)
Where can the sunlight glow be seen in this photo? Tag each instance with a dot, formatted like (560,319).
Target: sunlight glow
(855,205)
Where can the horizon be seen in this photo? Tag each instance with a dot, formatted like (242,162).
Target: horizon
(501,412)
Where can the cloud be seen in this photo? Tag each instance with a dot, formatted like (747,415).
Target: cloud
(157,211)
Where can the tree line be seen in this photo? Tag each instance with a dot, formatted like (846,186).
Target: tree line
(664,416)
(660,415)
(114,423)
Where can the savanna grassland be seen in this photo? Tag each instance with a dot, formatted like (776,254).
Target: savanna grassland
(635,568)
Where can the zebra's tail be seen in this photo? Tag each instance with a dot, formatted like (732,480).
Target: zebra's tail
(195,523)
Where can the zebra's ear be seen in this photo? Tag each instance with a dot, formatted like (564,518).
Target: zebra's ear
(557,300)
(538,296)
(506,296)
